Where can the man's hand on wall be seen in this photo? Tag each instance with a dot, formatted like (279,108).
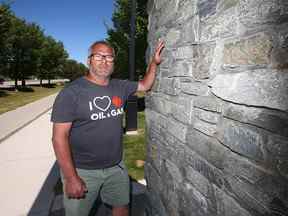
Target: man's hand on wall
(157,54)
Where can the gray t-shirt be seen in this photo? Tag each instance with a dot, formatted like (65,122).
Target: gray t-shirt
(96,114)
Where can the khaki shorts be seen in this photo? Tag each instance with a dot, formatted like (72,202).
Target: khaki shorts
(112,184)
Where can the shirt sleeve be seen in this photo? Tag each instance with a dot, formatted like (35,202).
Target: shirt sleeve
(64,107)
(130,87)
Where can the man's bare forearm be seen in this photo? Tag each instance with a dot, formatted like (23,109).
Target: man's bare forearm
(63,154)
(146,83)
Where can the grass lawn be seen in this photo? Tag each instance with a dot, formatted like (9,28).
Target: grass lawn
(135,149)
(10,100)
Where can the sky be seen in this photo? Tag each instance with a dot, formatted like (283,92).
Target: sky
(77,23)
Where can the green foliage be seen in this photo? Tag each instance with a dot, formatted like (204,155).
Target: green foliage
(5,25)
(25,41)
(52,59)
(72,69)
(119,35)
(26,51)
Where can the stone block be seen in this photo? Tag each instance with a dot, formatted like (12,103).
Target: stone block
(258,12)
(182,109)
(227,206)
(184,52)
(243,139)
(155,121)
(191,87)
(209,30)
(208,148)
(204,127)
(235,165)
(199,181)
(275,187)
(186,10)
(175,152)
(159,4)
(253,196)
(172,37)
(203,56)
(206,8)
(223,25)
(156,84)
(282,167)
(279,53)
(263,88)
(159,103)
(214,175)
(174,172)
(255,50)
(168,11)
(277,146)
(178,129)
(153,178)
(209,103)
(181,68)
(216,65)
(191,200)
(274,121)
(190,31)
(164,73)
(227,23)
(170,86)
(206,116)
(224,5)
(154,187)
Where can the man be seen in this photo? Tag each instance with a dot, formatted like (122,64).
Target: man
(87,133)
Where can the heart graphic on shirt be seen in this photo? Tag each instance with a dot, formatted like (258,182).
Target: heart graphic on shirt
(102,103)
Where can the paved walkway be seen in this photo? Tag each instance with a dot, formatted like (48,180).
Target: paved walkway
(11,122)
(26,157)
(27,165)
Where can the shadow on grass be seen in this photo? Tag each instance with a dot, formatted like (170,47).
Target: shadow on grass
(25,89)
(49,85)
(3,94)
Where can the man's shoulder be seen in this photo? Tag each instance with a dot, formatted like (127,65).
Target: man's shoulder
(121,81)
(73,87)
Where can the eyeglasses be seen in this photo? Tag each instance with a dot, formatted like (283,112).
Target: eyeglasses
(99,57)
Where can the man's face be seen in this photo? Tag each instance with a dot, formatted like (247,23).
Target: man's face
(101,61)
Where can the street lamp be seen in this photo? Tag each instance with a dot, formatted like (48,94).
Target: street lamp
(131,109)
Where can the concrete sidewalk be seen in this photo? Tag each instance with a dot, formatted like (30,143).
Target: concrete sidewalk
(29,171)
(12,121)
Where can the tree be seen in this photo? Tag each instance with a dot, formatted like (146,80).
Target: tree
(52,58)
(23,46)
(72,69)
(118,37)
(5,26)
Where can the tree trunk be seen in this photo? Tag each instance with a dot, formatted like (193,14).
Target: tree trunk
(23,81)
(16,84)
(41,82)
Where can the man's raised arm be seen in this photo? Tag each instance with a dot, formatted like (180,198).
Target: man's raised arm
(147,82)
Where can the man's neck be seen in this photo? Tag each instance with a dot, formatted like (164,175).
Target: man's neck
(98,80)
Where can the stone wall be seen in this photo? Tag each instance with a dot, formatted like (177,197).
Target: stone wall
(217,116)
